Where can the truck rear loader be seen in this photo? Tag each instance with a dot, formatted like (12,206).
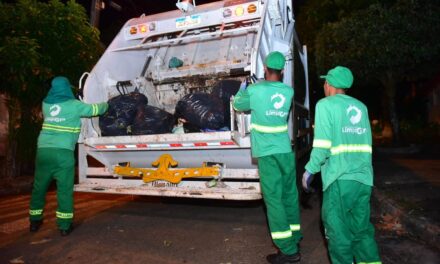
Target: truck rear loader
(219,41)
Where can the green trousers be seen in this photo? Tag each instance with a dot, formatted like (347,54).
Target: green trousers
(59,165)
(346,217)
(278,185)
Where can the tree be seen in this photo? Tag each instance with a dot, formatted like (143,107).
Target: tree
(315,14)
(394,43)
(42,39)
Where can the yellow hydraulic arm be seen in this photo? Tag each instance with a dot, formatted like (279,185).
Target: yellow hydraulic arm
(163,171)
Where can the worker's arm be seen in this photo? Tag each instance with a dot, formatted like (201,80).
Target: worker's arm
(242,100)
(322,140)
(89,110)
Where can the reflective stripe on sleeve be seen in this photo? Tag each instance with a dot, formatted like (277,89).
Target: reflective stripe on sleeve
(64,215)
(374,262)
(295,227)
(281,235)
(322,143)
(365,148)
(36,212)
(95,109)
(269,129)
(61,128)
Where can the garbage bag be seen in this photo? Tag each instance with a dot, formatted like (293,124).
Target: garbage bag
(201,110)
(121,113)
(125,106)
(152,120)
(113,126)
(224,90)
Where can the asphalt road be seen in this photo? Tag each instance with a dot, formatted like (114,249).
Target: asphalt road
(126,229)
(134,229)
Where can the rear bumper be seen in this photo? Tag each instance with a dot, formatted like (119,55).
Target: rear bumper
(226,193)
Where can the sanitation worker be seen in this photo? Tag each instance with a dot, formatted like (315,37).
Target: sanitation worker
(269,102)
(342,152)
(55,159)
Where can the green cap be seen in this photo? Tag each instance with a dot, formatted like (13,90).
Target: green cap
(339,77)
(275,60)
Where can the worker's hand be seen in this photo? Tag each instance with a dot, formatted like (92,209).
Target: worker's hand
(243,85)
(306,181)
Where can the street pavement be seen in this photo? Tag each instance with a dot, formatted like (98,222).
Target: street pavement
(126,229)
(134,229)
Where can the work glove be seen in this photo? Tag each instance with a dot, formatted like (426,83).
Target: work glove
(307,180)
(243,85)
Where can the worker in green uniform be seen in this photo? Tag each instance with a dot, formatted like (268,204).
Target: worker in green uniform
(269,102)
(55,159)
(342,151)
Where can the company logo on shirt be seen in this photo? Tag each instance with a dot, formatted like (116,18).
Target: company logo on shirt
(278,102)
(355,116)
(55,110)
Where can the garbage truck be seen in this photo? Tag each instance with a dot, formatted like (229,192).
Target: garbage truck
(218,41)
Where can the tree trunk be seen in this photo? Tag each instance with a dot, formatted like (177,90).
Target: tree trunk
(390,92)
(11,163)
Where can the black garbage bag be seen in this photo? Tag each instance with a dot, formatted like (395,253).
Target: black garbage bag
(113,126)
(201,110)
(121,113)
(224,90)
(152,120)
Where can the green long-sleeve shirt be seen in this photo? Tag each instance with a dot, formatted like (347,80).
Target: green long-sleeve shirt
(62,122)
(269,103)
(342,146)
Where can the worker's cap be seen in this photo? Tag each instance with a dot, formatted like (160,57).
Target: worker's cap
(275,60)
(61,82)
(339,77)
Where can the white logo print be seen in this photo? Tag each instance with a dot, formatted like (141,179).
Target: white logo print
(55,110)
(280,103)
(354,119)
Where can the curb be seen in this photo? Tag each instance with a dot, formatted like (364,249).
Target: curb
(420,227)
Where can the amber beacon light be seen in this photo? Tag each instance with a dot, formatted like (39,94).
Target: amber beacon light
(252,8)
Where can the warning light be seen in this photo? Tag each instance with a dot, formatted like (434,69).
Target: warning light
(133,30)
(227,12)
(252,8)
(143,28)
(239,11)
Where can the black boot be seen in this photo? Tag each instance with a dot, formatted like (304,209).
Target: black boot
(35,225)
(66,232)
(281,258)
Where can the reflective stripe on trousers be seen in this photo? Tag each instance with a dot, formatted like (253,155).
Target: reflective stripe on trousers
(281,235)
(64,215)
(36,212)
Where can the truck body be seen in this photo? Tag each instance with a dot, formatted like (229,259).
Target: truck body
(223,40)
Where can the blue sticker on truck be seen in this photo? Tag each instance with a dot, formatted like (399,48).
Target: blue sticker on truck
(188,21)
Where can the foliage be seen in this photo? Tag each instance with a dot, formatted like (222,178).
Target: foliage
(312,16)
(41,40)
(390,43)
(401,40)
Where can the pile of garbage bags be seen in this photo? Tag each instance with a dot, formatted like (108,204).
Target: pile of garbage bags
(130,114)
